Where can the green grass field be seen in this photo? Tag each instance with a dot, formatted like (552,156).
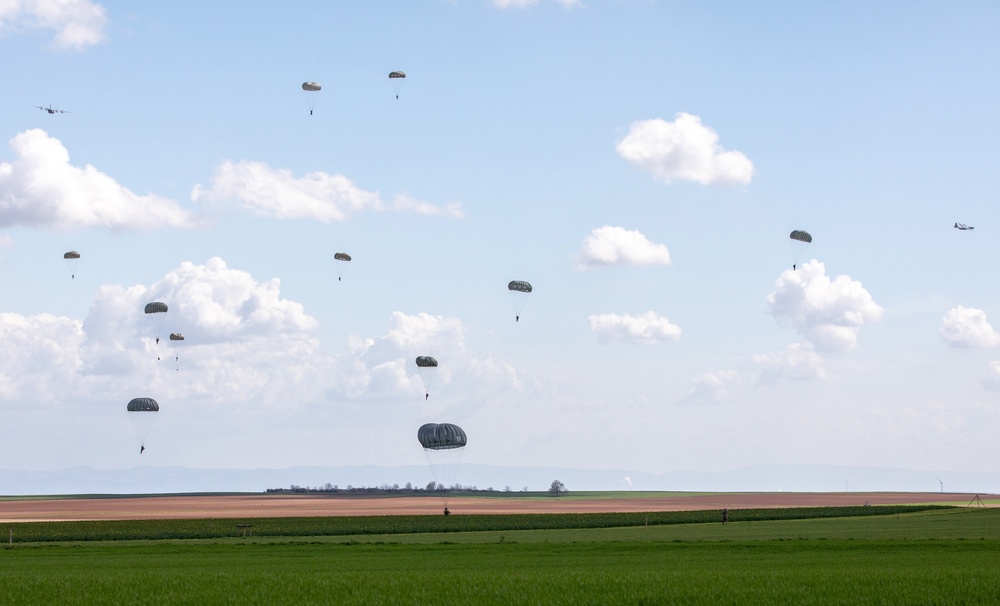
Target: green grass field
(929,556)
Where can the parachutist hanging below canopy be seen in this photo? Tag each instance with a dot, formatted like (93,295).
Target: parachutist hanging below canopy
(397,79)
(425,364)
(311,88)
(342,259)
(519,291)
(72,258)
(799,236)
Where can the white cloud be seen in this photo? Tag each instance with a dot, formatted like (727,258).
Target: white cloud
(830,313)
(619,246)
(6,242)
(992,380)
(277,193)
(683,150)
(384,367)
(967,327)
(37,356)
(245,347)
(77,23)
(715,387)
(42,189)
(648,328)
(798,361)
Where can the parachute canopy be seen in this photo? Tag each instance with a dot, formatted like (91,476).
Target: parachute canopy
(397,74)
(71,255)
(519,286)
(342,257)
(441,436)
(801,236)
(156,308)
(311,86)
(426,362)
(143,405)
(176,336)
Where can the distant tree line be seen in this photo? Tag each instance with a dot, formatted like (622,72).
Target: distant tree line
(408,488)
(556,489)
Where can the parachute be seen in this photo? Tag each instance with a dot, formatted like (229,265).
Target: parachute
(72,258)
(309,88)
(443,445)
(801,236)
(155,308)
(142,413)
(797,239)
(152,310)
(426,362)
(397,79)
(519,291)
(176,336)
(343,259)
(426,366)
(441,436)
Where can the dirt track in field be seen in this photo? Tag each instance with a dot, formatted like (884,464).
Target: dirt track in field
(270,506)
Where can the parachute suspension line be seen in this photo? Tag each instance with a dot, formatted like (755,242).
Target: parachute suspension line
(444,444)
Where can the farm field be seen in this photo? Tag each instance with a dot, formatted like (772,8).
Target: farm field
(902,554)
(312,505)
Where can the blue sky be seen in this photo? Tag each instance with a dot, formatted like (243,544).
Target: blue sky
(641,163)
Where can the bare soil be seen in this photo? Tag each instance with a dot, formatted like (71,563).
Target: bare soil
(270,506)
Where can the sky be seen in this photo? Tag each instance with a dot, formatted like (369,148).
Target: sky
(641,163)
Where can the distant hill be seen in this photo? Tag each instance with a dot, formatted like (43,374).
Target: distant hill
(757,478)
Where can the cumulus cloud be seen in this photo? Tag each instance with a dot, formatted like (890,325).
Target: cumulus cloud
(830,313)
(992,380)
(683,150)
(384,367)
(6,242)
(619,246)
(715,387)
(37,356)
(798,361)
(77,23)
(967,327)
(648,328)
(40,188)
(245,347)
(277,193)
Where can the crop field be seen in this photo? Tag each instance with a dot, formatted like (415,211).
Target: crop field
(881,554)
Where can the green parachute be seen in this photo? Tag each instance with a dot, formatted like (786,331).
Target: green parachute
(310,89)
(342,260)
(153,311)
(519,291)
(176,336)
(142,413)
(443,445)
(397,78)
(72,258)
(797,241)
(426,366)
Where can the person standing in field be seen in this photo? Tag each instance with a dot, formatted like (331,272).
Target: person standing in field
(725,516)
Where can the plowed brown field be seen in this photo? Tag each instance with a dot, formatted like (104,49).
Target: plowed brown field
(269,506)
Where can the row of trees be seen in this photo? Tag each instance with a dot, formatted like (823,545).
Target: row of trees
(556,489)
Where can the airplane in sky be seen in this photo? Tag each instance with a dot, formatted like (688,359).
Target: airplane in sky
(51,109)
(963,227)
